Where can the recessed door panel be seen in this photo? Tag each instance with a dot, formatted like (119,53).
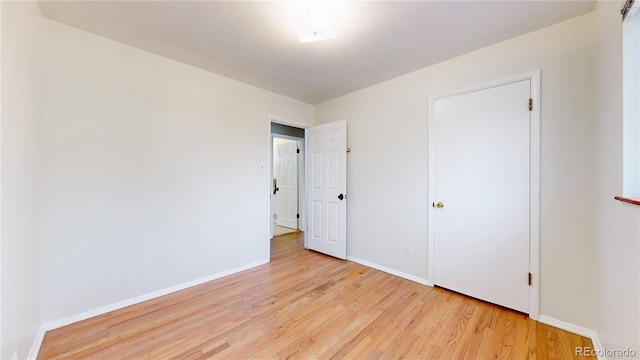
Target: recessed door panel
(317,164)
(316,222)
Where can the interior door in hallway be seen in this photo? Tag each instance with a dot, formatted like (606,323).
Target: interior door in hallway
(327,186)
(481,175)
(287,184)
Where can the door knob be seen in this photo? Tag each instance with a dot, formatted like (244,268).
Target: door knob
(340,196)
(438,205)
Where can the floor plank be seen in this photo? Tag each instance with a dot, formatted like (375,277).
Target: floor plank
(304,305)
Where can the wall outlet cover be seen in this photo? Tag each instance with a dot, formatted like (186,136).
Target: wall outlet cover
(407,249)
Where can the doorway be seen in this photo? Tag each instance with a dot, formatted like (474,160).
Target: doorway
(286,189)
(322,182)
(484,192)
(287,180)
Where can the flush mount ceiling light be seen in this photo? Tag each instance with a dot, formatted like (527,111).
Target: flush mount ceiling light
(315,25)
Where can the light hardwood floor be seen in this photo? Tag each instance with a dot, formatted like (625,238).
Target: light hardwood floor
(304,305)
(281,230)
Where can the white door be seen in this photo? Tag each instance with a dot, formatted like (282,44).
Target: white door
(287,184)
(327,189)
(481,178)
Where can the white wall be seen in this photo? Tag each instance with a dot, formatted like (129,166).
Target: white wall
(618,244)
(151,171)
(152,176)
(20,168)
(388,162)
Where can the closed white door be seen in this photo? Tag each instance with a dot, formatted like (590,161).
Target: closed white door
(287,184)
(481,180)
(327,187)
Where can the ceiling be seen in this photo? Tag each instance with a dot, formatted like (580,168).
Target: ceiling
(256,42)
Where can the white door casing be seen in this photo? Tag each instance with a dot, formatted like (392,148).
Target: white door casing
(480,162)
(327,189)
(287,184)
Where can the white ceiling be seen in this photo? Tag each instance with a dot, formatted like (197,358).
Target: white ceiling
(255,41)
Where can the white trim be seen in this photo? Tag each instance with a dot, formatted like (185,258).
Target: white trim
(401,274)
(152,295)
(582,331)
(1,180)
(284,121)
(37,343)
(306,184)
(489,85)
(431,267)
(597,345)
(534,196)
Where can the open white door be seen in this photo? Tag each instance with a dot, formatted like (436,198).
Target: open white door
(326,192)
(287,184)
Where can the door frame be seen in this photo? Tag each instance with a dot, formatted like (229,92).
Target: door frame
(302,181)
(534,183)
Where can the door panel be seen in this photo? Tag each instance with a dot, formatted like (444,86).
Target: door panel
(328,175)
(316,219)
(481,175)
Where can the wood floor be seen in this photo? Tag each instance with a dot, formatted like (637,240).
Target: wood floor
(281,230)
(304,305)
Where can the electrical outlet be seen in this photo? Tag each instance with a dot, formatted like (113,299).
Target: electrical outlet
(407,249)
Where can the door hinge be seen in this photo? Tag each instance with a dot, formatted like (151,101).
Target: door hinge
(297,216)
(530,279)
(298,151)
(530,104)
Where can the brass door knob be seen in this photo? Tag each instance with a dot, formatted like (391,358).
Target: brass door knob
(438,205)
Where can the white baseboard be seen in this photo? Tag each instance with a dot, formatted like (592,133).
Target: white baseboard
(37,342)
(138,299)
(566,326)
(598,346)
(390,271)
(582,331)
